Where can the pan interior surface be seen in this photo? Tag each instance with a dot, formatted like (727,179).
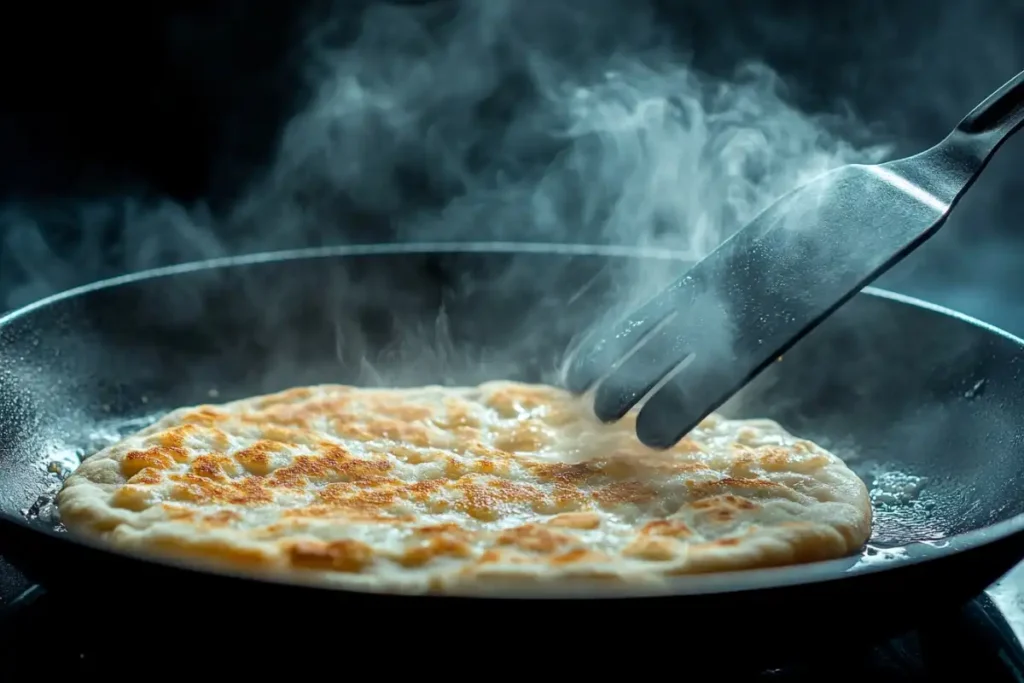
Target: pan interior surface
(922,404)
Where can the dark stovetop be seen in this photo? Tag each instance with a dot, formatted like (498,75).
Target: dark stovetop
(40,634)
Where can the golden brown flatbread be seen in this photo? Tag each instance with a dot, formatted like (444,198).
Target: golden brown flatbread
(435,488)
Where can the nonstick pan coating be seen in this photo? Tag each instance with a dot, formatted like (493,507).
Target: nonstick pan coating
(894,386)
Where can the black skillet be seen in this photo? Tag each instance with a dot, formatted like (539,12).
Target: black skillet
(887,380)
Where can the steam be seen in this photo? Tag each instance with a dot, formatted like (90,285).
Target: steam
(508,120)
(501,128)
(45,250)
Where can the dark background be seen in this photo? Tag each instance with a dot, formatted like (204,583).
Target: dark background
(186,101)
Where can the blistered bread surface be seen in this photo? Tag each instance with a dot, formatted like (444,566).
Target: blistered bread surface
(436,488)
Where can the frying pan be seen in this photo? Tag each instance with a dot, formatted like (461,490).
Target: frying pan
(899,388)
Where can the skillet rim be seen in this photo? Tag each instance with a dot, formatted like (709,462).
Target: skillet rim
(717,583)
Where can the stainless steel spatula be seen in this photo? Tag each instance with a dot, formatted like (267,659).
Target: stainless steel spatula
(699,341)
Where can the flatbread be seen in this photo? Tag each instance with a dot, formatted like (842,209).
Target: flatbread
(436,488)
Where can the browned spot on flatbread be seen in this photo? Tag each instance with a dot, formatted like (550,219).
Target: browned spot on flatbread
(727,500)
(667,527)
(457,415)
(486,498)
(523,438)
(131,497)
(177,512)
(414,434)
(652,548)
(727,484)
(723,508)
(221,518)
(576,520)
(147,477)
(214,466)
(341,556)
(333,464)
(353,496)
(288,396)
(403,412)
(205,416)
(441,540)
(579,555)
(626,492)
(201,491)
(257,457)
(535,538)
(416,456)
(157,458)
(218,550)
(568,473)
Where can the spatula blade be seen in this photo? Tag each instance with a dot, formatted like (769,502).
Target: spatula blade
(745,304)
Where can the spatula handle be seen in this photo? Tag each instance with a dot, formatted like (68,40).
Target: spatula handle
(988,126)
(1000,114)
(947,170)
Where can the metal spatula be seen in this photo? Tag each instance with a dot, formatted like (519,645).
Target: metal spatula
(699,341)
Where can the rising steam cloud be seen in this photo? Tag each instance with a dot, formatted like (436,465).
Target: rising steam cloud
(565,122)
(512,120)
